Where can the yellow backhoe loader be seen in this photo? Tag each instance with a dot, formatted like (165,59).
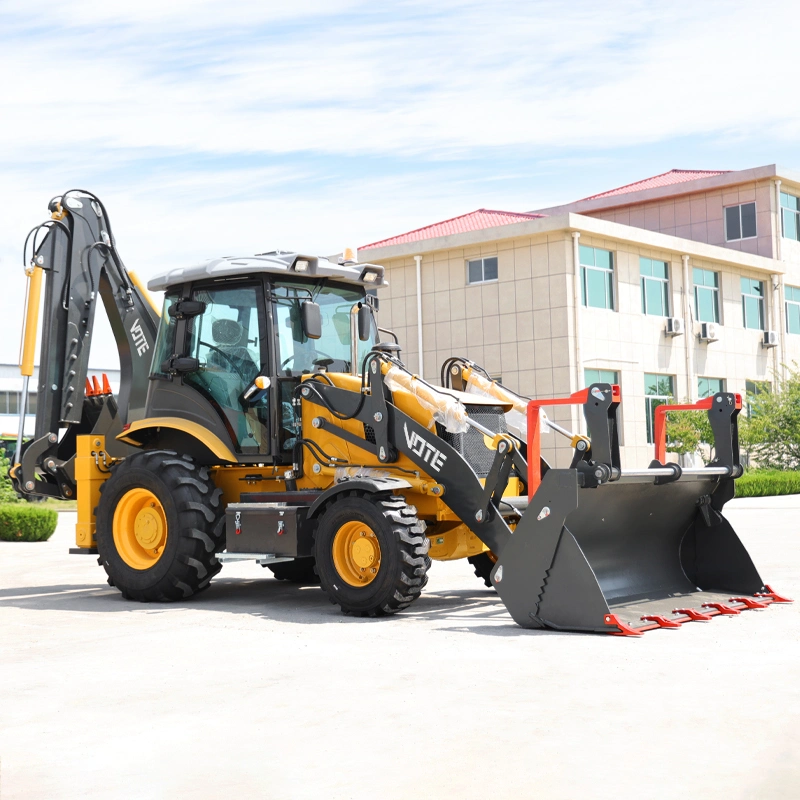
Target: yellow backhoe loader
(264,416)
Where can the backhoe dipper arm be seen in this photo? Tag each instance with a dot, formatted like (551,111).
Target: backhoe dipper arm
(78,256)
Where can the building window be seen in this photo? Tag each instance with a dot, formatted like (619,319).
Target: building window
(658,389)
(9,402)
(740,222)
(792,309)
(591,376)
(753,304)
(481,270)
(708,387)
(752,391)
(655,287)
(706,295)
(597,277)
(790,216)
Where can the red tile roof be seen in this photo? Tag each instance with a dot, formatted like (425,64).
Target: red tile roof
(474,221)
(665,179)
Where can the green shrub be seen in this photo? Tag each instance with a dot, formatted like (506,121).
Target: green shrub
(26,523)
(7,493)
(768,482)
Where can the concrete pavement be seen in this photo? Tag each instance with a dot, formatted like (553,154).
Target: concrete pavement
(260,689)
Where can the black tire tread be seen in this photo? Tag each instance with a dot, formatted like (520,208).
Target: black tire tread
(200,528)
(413,546)
(483,566)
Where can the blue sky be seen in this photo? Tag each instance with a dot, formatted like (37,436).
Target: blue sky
(212,127)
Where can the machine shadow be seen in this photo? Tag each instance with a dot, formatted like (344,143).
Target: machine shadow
(476,611)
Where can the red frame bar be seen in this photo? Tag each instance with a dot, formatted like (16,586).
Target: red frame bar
(660,423)
(535,433)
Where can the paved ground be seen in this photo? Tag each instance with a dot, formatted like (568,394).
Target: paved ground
(259,689)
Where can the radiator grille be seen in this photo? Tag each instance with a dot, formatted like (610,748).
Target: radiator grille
(471,444)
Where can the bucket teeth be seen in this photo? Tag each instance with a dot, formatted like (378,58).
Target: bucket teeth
(623,628)
(722,608)
(662,622)
(693,614)
(748,602)
(774,596)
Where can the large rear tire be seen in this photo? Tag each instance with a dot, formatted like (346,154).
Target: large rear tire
(483,564)
(160,523)
(371,554)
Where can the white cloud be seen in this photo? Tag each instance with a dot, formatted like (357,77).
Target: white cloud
(218,127)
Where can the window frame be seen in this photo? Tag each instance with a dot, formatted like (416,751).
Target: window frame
(788,209)
(650,408)
(700,394)
(762,311)
(794,303)
(715,290)
(665,289)
(609,276)
(483,260)
(741,237)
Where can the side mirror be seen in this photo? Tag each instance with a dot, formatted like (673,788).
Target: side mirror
(311,318)
(185,309)
(178,365)
(364,323)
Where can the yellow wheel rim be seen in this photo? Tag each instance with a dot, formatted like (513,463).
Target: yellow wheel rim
(140,528)
(356,553)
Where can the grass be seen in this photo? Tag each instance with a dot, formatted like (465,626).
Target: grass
(767,483)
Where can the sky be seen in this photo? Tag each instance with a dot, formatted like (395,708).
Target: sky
(228,128)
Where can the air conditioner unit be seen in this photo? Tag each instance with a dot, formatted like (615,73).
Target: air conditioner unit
(709,331)
(770,339)
(675,326)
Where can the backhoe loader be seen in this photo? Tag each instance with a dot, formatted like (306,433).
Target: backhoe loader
(264,416)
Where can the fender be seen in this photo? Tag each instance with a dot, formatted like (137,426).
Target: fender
(370,485)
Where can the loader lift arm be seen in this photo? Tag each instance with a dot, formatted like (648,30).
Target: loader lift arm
(79,259)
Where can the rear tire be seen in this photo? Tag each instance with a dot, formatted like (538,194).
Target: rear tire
(155,494)
(371,554)
(483,565)
(301,571)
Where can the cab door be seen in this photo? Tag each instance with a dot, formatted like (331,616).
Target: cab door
(227,339)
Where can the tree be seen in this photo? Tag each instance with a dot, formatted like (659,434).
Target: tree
(688,431)
(772,431)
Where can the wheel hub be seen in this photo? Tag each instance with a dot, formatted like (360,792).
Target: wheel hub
(148,528)
(356,553)
(140,528)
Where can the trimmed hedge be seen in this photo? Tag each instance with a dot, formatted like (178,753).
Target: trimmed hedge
(767,483)
(26,523)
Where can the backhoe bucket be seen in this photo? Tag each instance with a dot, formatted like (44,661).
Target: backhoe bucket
(642,550)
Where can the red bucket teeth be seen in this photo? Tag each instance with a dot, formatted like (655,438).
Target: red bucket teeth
(693,614)
(662,622)
(722,608)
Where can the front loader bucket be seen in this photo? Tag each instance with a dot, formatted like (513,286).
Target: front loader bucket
(626,556)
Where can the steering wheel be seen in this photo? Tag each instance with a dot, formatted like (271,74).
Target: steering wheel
(227,357)
(315,362)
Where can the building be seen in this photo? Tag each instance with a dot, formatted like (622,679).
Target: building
(11,397)
(680,285)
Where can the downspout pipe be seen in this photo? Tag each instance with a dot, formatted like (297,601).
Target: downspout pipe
(778,320)
(688,321)
(420,370)
(779,226)
(576,304)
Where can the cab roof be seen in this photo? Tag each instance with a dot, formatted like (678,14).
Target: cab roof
(275,263)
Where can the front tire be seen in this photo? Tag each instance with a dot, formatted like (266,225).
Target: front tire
(371,554)
(483,564)
(160,523)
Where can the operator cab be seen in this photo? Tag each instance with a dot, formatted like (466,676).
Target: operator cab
(234,344)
